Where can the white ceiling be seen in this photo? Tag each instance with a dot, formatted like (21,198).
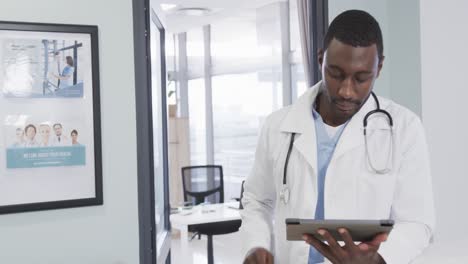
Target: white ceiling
(176,22)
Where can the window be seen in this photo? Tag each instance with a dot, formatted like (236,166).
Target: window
(247,86)
(171,64)
(196,97)
(298,84)
(195,52)
(240,104)
(197,121)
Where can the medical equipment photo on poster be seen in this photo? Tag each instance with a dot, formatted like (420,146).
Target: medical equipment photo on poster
(43,68)
(50,114)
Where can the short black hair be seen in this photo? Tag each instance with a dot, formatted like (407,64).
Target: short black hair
(356,28)
(69,60)
(30,126)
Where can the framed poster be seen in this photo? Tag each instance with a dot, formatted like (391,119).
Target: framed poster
(50,117)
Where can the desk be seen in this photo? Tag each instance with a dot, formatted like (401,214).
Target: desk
(221,213)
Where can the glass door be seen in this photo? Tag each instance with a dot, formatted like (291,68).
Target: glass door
(151,128)
(159,127)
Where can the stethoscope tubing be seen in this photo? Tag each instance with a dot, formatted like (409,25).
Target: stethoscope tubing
(285,190)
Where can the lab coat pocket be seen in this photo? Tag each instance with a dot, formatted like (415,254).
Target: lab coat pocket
(379,149)
(377,180)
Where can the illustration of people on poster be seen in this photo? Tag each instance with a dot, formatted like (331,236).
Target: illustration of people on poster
(43,144)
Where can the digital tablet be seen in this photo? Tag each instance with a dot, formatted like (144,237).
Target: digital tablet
(360,230)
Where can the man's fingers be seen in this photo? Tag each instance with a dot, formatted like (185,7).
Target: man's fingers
(364,246)
(319,245)
(334,246)
(374,244)
(269,259)
(347,239)
(265,258)
(378,239)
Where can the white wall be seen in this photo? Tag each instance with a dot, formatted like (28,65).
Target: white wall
(378,9)
(444,54)
(400,78)
(100,234)
(403,56)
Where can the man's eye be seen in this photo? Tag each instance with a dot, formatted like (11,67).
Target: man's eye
(335,75)
(361,79)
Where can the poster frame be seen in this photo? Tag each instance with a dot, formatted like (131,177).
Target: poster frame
(92,31)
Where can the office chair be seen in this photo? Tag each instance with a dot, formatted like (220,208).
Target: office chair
(205,184)
(241,196)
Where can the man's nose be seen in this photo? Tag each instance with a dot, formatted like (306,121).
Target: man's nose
(346,90)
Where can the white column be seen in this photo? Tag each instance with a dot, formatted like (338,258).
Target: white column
(208,95)
(182,76)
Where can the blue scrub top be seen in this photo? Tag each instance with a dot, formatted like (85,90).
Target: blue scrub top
(67,71)
(325,148)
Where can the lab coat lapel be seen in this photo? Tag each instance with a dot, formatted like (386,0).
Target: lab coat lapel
(353,136)
(301,121)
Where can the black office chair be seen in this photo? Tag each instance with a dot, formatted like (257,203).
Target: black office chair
(205,184)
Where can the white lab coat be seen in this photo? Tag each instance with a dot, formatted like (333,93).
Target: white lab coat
(64,141)
(352,189)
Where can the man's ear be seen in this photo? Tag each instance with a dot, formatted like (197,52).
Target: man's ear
(379,67)
(320,56)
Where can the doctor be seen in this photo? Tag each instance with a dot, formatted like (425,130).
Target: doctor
(59,139)
(344,161)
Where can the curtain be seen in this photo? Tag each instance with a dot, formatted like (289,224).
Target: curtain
(303,7)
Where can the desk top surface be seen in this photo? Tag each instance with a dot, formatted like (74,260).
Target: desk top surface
(210,213)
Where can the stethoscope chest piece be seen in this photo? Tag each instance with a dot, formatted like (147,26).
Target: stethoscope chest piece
(284,194)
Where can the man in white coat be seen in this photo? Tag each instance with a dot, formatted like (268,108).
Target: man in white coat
(59,139)
(335,168)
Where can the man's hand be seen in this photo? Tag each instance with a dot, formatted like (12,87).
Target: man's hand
(258,256)
(350,253)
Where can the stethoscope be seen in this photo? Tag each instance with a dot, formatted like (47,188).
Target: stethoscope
(284,193)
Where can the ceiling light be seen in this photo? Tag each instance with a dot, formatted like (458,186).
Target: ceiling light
(194,11)
(167,7)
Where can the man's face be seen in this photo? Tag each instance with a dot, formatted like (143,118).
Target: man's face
(58,130)
(348,76)
(74,137)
